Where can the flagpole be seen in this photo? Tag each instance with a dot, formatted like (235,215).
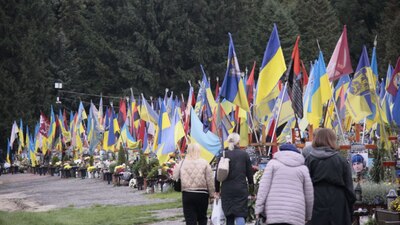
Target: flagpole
(337,114)
(363,135)
(277,118)
(252,129)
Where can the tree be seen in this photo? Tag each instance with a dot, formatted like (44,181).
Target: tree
(320,23)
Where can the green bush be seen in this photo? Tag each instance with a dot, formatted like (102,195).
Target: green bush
(91,160)
(54,160)
(121,156)
(112,166)
(372,190)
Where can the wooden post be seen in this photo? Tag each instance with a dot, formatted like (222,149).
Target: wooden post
(358,129)
(293,136)
(264,136)
(310,133)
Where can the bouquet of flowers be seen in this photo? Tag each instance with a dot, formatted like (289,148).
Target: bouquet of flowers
(91,168)
(67,166)
(395,205)
(119,169)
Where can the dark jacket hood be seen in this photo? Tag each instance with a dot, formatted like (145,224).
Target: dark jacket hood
(323,152)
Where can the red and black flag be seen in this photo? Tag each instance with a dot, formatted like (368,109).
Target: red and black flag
(294,76)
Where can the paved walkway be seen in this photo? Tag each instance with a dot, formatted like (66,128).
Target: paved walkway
(28,192)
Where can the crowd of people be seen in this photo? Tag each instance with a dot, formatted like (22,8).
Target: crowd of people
(312,186)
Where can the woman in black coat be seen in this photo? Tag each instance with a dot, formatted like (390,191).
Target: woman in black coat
(235,190)
(333,185)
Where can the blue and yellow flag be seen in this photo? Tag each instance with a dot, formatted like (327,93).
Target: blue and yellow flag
(359,95)
(209,143)
(8,152)
(272,68)
(232,88)
(320,92)
(147,113)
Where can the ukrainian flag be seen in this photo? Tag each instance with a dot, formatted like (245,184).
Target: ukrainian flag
(209,143)
(272,67)
(320,93)
(232,88)
(147,113)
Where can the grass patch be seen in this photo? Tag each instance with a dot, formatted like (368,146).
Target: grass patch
(167,195)
(96,215)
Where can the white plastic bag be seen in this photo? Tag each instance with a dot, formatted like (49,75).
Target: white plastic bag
(217,216)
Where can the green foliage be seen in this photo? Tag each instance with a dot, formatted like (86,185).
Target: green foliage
(112,166)
(54,160)
(377,172)
(91,160)
(372,191)
(121,156)
(146,167)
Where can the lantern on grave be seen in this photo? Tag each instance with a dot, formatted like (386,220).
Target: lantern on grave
(390,197)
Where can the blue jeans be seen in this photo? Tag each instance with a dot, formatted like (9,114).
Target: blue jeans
(232,220)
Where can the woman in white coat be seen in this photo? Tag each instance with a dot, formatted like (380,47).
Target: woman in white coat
(285,193)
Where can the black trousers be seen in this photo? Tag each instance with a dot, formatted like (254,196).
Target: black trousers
(195,207)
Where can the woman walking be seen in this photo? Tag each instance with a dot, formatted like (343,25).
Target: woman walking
(197,185)
(235,190)
(331,176)
(285,193)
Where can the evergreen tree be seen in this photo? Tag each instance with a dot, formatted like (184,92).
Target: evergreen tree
(388,39)
(27,87)
(320,23)
(271,11)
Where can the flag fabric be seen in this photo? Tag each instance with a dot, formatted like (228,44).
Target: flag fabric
(359,94)
(170,138)
(374,65)
(272,68)
(179,132)
(340,96)
(14,133)
(122,112)
(293,75)
(147,113)
(340,63)
(52,129)
(393,86)
(396,109)
(21,134)
(304,74)
(8,151)
(250,85)
(232,88)
(320,92)
(209,143)
(163,123)
(217,89)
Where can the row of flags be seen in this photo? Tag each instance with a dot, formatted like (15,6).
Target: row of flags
(281,99)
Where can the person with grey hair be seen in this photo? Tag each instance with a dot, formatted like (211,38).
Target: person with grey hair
(235,189)
(197,185)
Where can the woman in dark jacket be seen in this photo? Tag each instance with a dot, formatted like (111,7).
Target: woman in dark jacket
(235,190)
(333,186)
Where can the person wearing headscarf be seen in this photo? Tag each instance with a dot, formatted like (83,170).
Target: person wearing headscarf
(235,189)
(332,180)
(285,194)
(197,185)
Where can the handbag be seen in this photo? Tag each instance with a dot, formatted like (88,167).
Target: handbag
(223,168)
(178,183)
(261,221)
